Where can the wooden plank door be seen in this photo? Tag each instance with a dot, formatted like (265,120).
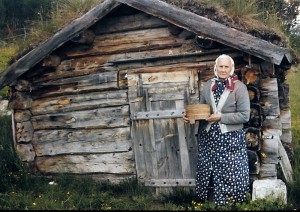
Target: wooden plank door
(165,147)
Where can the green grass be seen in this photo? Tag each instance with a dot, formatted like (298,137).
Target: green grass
(293,79)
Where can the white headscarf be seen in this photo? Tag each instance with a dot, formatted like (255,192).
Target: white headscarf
(216,63)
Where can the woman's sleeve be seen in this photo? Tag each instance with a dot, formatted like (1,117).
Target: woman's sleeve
(242,113)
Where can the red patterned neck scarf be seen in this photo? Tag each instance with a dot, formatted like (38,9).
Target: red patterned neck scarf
(229,83)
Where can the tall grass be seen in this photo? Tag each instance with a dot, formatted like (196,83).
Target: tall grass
(293,79)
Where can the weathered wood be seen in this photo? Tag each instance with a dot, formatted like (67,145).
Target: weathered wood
(134,37)
(68,141)
(170,182)
(171,59)
(109,25)
(172,151)
(22,115)
(114,163)
(132,41)
(20,100)
(51,61)
(24,131)
(167,150)
(97,118)
(268,171)
(73,68)
(68,103)
(283,93)
(284,163)
(184,150)
(144,148)
(157,114)
(216,31)
(84,37)
(80,84)
(269,97)
(285,119)
(25,152)
(269,151)
(91,79)
(161,76)
(271,127)
(286,137)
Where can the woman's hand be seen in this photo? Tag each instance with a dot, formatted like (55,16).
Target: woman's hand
(185,118)
(214,117)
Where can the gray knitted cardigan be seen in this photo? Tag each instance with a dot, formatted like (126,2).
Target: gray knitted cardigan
(234,106)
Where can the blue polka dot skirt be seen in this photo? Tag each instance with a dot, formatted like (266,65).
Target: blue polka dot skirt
(223,160)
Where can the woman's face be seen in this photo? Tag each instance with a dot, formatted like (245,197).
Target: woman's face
(224,67)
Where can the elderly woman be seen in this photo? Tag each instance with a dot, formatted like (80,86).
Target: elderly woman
(222,170)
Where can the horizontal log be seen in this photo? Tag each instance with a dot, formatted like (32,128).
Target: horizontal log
(73,68)
(71,89)
(51,61)
(84,37)
(79,84)
(180,58)
(22,115)
(137,36)
(20,101)
(91,79)
(159,90)
(111,178)
(82,141)
(58,142)
(161,75)
(97,118)
(271,126)
(114,163)
(77,102)
(25,152)
(129,44)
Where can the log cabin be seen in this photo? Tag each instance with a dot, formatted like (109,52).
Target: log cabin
(104,96)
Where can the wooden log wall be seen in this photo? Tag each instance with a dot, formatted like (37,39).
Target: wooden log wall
(75,111)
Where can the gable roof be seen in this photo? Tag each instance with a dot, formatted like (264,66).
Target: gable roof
(179,17)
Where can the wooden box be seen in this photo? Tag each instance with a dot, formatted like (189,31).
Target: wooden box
(197,112)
